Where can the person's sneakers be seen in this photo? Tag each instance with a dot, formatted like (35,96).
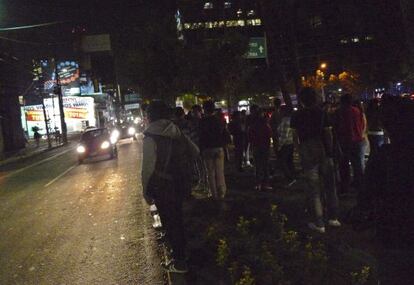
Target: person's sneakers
(319,229)
(175,266)
(334,223)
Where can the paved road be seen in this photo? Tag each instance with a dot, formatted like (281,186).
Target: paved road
(63,223)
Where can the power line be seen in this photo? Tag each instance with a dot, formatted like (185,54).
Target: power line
(31,26)
(32,43)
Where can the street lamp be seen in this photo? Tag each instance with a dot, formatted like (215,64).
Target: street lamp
(324,65)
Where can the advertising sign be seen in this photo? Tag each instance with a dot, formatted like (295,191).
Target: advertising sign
(69,75)
(78,112)
(96,43)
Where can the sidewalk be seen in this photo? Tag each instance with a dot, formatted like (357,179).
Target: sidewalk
(31,150)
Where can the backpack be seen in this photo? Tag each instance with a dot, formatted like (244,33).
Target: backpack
(172,173)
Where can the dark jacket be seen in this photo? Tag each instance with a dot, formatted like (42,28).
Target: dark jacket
(158,137)
(211,133)
(260,133)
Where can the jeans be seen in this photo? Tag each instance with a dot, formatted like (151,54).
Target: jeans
(214,161)
(319,178)
(285,158)
(261,162)
(353,153)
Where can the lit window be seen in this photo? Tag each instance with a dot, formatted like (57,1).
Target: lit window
(251,13)
(240,23)
(208,5)
(239,12)
(227,5)
(231,23)
(254,22)
(355,40)
(187,26)
(221,24)
(208,25)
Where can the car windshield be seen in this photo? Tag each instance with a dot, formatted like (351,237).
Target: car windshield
(89,135)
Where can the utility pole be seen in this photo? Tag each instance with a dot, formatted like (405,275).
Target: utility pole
(61,109)
(49,142)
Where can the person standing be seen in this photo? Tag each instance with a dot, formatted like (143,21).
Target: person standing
(286,147)
(313,136)
(376,135)
(236,130)
(389,190)
(260,134)
(36,136)
(212,150)
(275,121)
(349,129)
(167,154)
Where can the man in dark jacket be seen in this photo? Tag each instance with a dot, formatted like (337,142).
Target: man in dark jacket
(314,139)
(167,154)
(212,148)
(260,134)
(239,138)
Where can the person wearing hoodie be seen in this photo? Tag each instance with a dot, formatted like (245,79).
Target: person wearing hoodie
(167,154)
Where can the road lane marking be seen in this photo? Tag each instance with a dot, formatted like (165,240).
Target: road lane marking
(36,163)
(60,175)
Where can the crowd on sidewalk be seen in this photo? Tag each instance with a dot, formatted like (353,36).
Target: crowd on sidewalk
(182,151)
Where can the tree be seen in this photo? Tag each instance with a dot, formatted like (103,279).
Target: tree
(216,68)
(275,20)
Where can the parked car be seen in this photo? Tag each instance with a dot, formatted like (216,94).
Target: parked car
(96,142)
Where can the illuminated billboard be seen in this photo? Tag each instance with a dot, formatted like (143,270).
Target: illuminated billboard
(69,76)
(79,111)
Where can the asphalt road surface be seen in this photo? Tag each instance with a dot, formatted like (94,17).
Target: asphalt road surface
(63,223)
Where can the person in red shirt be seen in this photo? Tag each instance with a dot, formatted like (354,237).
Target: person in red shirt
(349,130)
(259,138)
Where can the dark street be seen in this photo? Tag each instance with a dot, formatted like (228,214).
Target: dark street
(64,223)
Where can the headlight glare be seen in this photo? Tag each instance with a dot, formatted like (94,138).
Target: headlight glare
(131,131)
(80,149)
(105,145)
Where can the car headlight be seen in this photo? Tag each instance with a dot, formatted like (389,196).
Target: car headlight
(105,145)
(137,120)
(113,139)
(81,149)
(131,131)
(115,134)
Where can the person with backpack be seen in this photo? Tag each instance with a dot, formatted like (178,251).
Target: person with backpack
(167,156)
(314,139)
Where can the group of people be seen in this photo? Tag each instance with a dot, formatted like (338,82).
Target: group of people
(331,140)
(174,146)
